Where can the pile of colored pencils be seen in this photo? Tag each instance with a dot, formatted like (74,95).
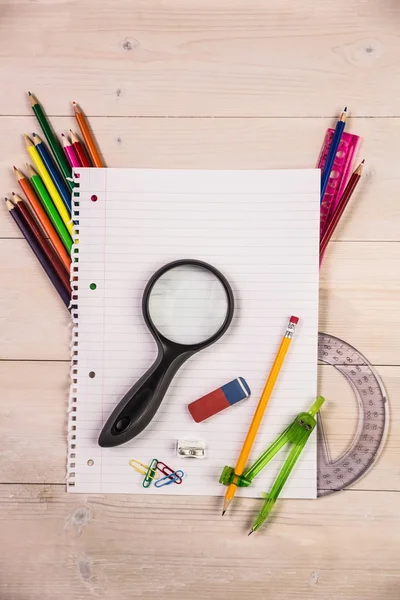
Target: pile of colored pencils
(44,215)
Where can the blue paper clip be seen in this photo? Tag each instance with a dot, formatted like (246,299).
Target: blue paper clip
(150,474)
(172,478)
(166,470)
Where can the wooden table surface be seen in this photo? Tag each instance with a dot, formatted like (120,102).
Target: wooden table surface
(203,84)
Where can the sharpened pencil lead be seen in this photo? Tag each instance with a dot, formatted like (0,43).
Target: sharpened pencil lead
(223,512)
(250,532)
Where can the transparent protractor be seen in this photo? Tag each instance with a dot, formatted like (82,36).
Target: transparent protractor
(373,418)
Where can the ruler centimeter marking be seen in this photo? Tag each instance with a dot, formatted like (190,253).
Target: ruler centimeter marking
(335,475)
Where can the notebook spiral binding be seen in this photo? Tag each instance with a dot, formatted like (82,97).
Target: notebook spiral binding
(70,478)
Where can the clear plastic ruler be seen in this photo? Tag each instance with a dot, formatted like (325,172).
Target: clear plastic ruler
(340,174)
(358,458)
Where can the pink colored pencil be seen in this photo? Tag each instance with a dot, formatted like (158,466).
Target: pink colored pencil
(70,152)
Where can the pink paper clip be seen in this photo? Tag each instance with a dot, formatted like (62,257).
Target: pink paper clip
(340,173)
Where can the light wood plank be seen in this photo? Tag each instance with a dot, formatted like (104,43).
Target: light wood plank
(33,422)
(234,144)
(358,302)
(62,546)
(280,58)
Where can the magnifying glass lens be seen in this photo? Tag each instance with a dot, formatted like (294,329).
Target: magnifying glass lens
(188,304)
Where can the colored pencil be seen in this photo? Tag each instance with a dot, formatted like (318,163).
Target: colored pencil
(50,208)
(42,217)
(54,173)
(52,140)
(80,150)
(260,410)
(347,193)
(70,152)
(40,255)
(48,182)
(337,136)
(43,242)
(88,137)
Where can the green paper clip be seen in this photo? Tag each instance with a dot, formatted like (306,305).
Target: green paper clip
(150,474)
(296,434)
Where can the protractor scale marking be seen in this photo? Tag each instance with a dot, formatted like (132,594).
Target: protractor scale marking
(335,475)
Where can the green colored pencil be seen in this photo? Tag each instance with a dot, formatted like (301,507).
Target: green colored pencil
(50,208)
(52,140)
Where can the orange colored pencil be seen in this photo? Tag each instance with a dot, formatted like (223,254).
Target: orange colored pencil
(88,137)
(260,410)
(43,218)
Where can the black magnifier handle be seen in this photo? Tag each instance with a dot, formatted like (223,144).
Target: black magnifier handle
(138,407)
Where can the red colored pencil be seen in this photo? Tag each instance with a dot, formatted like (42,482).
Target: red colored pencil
(70,152)
(80,150)
(348,191)
(43,242)
(37,250)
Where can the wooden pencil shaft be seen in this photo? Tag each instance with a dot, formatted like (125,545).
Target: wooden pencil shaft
(48,182)
(261,407)
(44,221)
(81,154)
(44,244)
(330,159)
(52,141)
(344,200)
(53,171)
(52,212)
(88,137)
(42,258)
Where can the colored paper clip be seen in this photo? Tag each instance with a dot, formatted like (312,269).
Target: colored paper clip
(136,464)
(172,478)
(165,470)
(150,473)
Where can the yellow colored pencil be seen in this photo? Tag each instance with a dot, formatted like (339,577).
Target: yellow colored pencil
(48,182)
(260,410)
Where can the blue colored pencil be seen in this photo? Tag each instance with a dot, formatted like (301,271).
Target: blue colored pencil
(337,136)
(53,171)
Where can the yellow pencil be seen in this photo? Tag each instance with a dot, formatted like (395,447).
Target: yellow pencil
(48,182)
(260,410)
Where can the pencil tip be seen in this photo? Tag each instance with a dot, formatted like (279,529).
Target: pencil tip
(250,532)
(29,94)
(62,135)
(363,161)
(13,193)
(14,167)
(223,512)
(345,109)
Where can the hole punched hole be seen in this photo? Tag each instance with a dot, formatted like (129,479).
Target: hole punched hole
(92,374)
(90,462)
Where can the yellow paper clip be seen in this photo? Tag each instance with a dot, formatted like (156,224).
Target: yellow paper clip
(136,464)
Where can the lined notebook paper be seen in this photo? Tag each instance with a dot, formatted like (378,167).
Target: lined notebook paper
(261,230)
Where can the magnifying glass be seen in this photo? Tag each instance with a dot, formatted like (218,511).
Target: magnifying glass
(187,305)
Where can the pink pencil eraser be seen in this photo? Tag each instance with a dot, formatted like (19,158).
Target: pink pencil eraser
(294,320)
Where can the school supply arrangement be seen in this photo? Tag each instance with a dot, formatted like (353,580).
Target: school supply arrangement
(135,311)
(223,278)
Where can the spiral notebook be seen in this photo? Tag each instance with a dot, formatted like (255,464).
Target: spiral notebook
(261,230)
